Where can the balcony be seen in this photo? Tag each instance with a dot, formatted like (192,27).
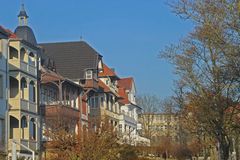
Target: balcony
(127,118)
(59,110)
(32,70)
(90,83)
(111,114)
(16,64)
(22,104)
(24,66)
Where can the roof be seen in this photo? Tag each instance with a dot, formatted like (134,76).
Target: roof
(72,58)
(22,12)
(7,32)
(105,88)
(124,97)
(107,72)
(126,83)
(49,76)
(26,33)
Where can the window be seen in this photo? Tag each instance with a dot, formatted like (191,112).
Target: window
(96,102)
(32,96)
(31,59)
(32,129)
(92,102)
(23,126)
(13,53)
(102,100)
(23,87)
(107,101)
(89,74)
(1,86)
(120,127)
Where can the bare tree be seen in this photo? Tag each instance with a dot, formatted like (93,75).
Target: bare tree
(207,62)
(150,105)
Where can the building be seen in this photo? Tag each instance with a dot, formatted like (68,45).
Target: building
(60,104)
(23,112)
(128,120)
(104,104)
(80,63)
(3,88)
(159,126)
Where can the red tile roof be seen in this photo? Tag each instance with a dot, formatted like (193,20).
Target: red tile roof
(107,72)
(126,83)
(103,86)
(124,97)
(106,88)
(123,85)
(11,34)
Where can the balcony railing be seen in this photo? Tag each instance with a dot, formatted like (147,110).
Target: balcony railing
(60,110)
(28,143)
(32,70)
(16,103)
(15,64)
(24,66)
(127,118)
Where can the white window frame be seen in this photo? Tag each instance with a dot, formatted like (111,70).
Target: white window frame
(89,74)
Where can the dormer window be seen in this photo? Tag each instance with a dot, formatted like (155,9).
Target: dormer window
(89,74)
(100,65)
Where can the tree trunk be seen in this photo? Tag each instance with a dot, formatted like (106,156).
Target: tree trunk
(224,147)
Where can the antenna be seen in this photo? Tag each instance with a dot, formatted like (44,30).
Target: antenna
(81,38)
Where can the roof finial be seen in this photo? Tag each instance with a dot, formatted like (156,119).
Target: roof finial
(81,38)
(22,16)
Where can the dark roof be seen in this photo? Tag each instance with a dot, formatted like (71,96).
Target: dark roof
(72,58)
(26,33)
(22,12)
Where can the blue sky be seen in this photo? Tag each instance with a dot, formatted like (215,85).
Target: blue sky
(128,33)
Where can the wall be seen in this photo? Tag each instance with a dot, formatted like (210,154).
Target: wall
(4,81)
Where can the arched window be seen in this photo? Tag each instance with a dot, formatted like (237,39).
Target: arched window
(32,129)
(14,126)
(31,59)
(23,126)
(23,87)
(14,89)
(13,53)
(23,55)
(32,93)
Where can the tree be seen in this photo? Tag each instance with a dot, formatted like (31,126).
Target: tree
(100,144)
(150,105)
(207,62)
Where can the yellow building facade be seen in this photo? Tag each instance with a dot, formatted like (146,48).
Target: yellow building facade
(23,96)
(24,126)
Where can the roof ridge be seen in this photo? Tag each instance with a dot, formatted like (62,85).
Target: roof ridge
(59,42)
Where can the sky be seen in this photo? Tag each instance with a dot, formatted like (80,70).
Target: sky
(129,34)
